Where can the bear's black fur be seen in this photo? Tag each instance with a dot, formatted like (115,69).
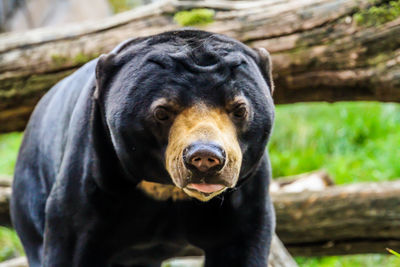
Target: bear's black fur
(93,138)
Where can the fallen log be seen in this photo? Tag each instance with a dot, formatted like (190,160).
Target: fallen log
(319,52)
(351,219)
(336,220)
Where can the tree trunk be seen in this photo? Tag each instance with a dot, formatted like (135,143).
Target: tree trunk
(319,53)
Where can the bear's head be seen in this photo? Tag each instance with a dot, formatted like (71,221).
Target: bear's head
(188,108)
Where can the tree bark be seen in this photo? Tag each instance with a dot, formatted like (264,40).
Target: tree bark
(358,218)
(319,53)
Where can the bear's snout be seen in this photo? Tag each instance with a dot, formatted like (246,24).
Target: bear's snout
(204,157)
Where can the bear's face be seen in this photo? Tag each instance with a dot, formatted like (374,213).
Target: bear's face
(189,108)
(203,154)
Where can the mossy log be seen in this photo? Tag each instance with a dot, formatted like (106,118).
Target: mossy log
(319,52)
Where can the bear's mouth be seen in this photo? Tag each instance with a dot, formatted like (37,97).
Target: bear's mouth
(206,188)
(204,192)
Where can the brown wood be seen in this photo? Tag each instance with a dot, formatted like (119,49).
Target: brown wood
(358,218)
(319,54)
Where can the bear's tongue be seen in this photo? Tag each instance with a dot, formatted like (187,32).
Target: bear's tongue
(206,188)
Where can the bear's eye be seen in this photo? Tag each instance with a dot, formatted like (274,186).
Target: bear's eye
(240,111)
(161,114)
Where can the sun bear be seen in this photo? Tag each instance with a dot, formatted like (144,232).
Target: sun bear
(148,152)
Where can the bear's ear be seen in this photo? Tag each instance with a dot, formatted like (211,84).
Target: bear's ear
(105,68)
(265,64)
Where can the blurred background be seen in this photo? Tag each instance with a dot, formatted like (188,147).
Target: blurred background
(337,74)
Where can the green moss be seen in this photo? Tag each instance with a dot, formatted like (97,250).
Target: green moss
(378,59)
(377,15)
(200,16)
(78,59)
(59,60)
(81,58)
(123,5)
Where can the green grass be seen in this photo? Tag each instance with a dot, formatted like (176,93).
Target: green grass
(9,144)
(354,142)
(393,252)
(10,245)
(368,260)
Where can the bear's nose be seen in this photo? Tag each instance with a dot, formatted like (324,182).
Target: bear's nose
(204,157)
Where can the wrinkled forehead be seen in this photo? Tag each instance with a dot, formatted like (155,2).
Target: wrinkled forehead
(185,81)
(214,72)
(205,89)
